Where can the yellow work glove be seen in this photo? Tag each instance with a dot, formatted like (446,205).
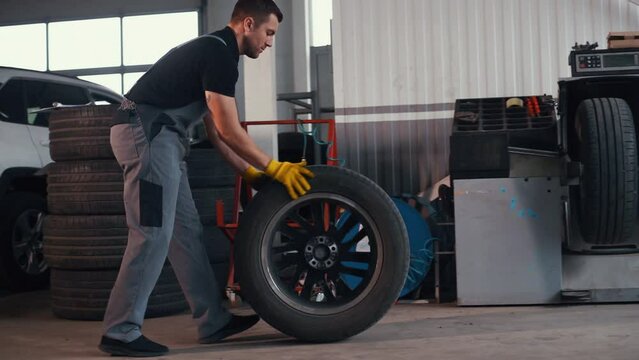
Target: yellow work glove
(291,175)
(255,178)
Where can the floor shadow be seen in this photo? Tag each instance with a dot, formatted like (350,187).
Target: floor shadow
(244,343)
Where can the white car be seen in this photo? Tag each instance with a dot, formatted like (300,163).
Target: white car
(24,151)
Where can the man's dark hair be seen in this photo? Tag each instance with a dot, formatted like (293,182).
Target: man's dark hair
(257,9)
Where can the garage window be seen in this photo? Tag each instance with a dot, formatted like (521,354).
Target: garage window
(112,52)
(84,44)
(111,81)
(147,38)
(24,46)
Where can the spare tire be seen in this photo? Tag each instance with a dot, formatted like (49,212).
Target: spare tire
(292,258)
(81,133)
(608,187)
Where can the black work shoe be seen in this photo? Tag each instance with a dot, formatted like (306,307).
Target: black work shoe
(140,347)
(236,325)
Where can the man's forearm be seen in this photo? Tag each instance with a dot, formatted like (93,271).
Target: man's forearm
(239,164)
(243,146)
(224,119)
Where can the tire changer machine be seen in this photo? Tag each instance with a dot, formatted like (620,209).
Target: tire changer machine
(545,194)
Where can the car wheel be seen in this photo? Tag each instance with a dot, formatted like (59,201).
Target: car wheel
(21,257)
(326,266)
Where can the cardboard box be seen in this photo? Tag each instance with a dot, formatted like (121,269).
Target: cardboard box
(621,40)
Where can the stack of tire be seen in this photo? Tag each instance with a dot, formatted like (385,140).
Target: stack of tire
(85,233)
(211,178)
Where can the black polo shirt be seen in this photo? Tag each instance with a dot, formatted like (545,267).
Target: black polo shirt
(182,75)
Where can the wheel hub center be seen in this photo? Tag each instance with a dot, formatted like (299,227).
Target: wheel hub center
(321,252)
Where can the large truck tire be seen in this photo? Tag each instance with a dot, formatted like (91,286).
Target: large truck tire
(85,242)
(608,187)
(326,266)
(83,295)
(81,133)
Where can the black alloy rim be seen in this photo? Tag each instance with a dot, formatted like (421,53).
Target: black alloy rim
(27,244)
(321,254)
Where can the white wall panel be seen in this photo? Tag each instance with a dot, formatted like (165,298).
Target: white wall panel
(434,51)
(409,60)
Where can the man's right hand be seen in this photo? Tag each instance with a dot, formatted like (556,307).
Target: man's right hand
(291,175)
(256,178)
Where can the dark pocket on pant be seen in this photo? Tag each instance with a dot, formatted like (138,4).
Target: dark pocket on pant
(150,204)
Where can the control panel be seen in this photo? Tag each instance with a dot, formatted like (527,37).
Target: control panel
(604,62)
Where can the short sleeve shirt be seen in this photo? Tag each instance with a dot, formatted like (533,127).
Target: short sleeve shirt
(207,63)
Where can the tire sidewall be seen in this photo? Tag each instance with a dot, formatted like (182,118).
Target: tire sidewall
(587,145)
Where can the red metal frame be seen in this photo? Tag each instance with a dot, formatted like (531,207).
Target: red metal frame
(230,229)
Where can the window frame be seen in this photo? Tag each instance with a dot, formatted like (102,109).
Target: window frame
(121,69)
(22,99)
(23,95)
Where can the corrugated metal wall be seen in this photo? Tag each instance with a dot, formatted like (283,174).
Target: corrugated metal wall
(399,66)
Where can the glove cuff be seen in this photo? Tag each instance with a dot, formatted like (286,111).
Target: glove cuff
(272,168)
(251,174)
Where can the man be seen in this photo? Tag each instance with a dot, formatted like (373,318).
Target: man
(194,81)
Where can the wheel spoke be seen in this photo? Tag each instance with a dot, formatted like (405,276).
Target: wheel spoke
(287,260)
(289,247)
(350,222)
(19,246)
(332,215)
(317,211)
(346,247)
(39,223)
(362,273)
(328,293)
(296,277)
(311,278)
(32,264)
(310,228)
(291,233)
(360,257)
(342,290)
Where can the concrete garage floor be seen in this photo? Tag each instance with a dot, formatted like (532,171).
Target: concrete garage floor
(28,330)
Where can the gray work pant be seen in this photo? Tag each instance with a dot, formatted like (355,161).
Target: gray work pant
(162,220)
